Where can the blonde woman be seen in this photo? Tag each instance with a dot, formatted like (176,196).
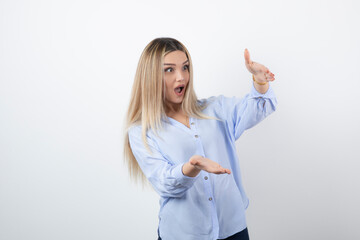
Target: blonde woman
(185,147)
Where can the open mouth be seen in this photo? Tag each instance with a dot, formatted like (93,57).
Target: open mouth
(179,90)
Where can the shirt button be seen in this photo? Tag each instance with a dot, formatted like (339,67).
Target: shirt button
(196,136)
(210,198)
(206,178)
(192,123)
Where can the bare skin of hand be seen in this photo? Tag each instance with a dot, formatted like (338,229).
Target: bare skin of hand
(261,73)
(198,163)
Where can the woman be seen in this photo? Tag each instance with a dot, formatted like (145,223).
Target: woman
(185,147)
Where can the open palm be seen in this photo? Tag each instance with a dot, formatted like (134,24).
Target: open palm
(261,73)
(208,165)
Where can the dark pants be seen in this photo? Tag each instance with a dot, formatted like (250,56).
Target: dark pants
(243,235)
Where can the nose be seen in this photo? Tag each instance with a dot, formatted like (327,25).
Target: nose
(180,76)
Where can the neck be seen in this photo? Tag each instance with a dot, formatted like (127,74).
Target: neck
(173,109)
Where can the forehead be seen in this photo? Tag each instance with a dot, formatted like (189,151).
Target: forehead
(175,57)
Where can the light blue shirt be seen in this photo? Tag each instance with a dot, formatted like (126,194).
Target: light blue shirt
(208,206)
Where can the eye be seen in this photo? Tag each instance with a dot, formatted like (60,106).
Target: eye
(166,70)
(186,67)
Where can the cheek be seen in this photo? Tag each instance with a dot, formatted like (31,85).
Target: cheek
(168,89)
(187,81)
(167,84)
(187,78)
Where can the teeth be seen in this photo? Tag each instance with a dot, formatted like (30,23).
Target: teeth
(179,89)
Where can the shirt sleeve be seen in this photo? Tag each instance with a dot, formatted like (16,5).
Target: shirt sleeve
(166,178)
(244,113)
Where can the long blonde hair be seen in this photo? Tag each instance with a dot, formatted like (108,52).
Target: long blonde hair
(147,102)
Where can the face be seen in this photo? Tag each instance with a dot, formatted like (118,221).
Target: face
(176,76)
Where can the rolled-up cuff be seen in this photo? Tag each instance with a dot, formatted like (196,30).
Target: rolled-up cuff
(269,93)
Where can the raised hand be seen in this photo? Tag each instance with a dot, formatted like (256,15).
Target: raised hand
(261,73)
(207,165)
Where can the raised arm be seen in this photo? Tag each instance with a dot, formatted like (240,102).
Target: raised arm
(244,113)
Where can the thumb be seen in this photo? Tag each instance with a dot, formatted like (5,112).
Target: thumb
(247,57)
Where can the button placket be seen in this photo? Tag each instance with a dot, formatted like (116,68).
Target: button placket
(193,128)
(206,180)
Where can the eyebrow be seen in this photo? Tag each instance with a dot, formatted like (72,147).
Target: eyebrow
(175,64)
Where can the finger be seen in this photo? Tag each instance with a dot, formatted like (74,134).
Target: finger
(270,76)
(220,171)
(247,57)
(225,170)
(269,72)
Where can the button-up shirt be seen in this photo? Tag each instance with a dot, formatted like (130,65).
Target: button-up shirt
(208,206)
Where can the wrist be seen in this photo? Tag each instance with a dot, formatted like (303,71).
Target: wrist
(195,159)
(258,82)
(190,170)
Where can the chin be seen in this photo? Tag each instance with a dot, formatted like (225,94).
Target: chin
(177,101)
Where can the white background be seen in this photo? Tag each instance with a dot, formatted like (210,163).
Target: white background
(66,71)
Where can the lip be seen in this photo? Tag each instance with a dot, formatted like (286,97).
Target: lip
(182,92)
(180,85)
